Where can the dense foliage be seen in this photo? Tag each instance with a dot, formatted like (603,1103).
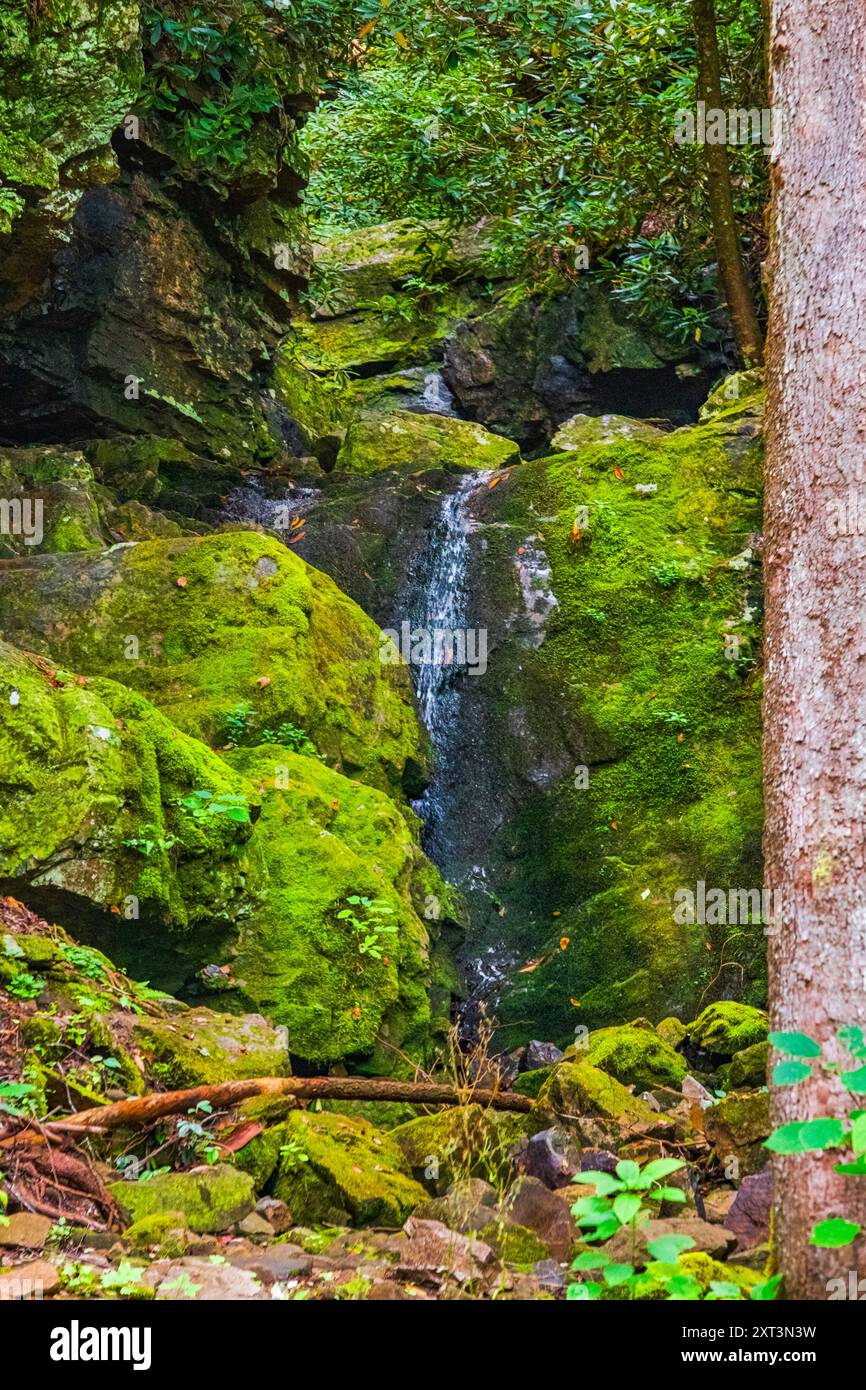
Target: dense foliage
(559,121)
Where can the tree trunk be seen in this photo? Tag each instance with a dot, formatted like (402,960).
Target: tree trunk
(735,280)
(143,1110)
(815,571)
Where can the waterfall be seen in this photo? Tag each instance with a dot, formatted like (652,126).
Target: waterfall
(451,648)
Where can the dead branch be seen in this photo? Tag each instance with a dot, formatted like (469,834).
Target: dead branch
(143,1110)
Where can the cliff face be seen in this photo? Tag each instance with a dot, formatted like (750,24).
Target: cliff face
(150,237)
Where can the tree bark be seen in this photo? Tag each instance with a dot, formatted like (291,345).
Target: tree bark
(143,1110)
(815,573)
(735,280)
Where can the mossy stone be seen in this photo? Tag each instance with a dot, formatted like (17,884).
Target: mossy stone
(210,1199)
(728,1027)
(636,1057)
(400,438)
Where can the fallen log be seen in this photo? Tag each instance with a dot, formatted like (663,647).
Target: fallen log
(143,1110)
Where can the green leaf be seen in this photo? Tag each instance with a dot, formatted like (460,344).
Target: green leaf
(661,1168)
(627,1170)
(791,1073)
(855,1080)
(766,1292)
(583,1293)
(858,1133)
(857,1169)
(669,1194)
(617,1274)
(831,1234)
(683,1287)
(801,1137)
(667,1248)
(719,1289)
(591,1259)
(626,1206)
(852,1038)
(795,1044)
(604,1182)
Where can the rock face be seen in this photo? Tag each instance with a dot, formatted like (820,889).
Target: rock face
(145,283)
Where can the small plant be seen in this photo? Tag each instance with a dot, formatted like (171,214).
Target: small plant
(205,806)
(621,1201)
(293,1154)
(290,736)
(24,986)
(147,839)
(369,929)
(803,1057)
(195,1139)
(86,962)
(239,723)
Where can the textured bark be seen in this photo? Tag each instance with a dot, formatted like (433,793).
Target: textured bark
(145,1109)
(726,235)
(815,563)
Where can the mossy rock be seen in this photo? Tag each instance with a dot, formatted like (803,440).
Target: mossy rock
(727,1027)
(167,1231)
(636,1057)
(672,1031)
(200,1048)
(400,438)
(324,840)
(747,1068)
(91,770)
(582,430)
(231,636)
(56,490)
(706,1270)
(737,1127)
(333,1164)
(211,1200)
(514,1244)
(461,1142)
(529,1083)
(597,1106)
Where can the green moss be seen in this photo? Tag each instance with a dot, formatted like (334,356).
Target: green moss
(210,1199)
(672,1031)
(747,1068)
(515,1245)
(579,1089)
(203,626)
(529,1083)
(200,1047)
(707,1270)
(164,1232)
(337,1164)
(463,1141)
(635,1057)
(400,438)
(728,1027)
(634,684)
(737,1127)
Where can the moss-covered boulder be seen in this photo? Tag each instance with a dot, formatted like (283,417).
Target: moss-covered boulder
(672,1031)
(737,1127)
(747,1068)
(728,1027)
(49,503)
(233,637)
(329,1165)
(636,1057)
(398,438)
(461,1142)
(93,783)
(210,1199)
(198,1047)
(597,1106)
(582,430)
(341,949)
